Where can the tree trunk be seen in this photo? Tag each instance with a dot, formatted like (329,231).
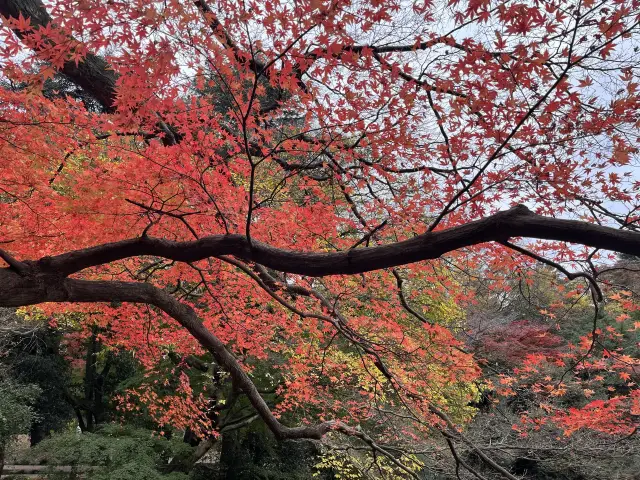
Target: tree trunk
(2,447)
(89,378)
(36,434)
(98,395)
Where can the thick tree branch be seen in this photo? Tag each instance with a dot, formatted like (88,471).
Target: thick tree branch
(93,74)
(515,222)
(14,264)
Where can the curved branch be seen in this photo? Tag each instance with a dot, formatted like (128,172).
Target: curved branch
(14,264)
(105,291)
(570,275)
(403,299)
(518,221)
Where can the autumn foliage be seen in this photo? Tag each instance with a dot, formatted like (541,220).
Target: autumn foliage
(255,132)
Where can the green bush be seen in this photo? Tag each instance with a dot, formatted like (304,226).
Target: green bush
(127,453)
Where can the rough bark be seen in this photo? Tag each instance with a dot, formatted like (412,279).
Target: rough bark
(515,222)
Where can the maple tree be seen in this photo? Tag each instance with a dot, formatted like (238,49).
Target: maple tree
(306,185)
